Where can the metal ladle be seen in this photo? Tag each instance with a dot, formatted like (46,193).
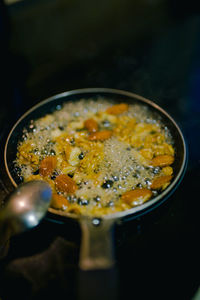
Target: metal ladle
(24,209)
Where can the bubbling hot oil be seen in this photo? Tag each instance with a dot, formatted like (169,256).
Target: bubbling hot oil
(102,170)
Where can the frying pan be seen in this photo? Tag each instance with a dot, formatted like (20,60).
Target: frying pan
(96,251)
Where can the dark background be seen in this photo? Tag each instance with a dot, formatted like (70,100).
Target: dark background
(149,47)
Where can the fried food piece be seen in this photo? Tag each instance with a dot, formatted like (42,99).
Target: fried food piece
(160,182)
(117,109)
(100,135)
(59,202)
(136,197)
(91,125)
(47,166)
(162,160)
(64,183)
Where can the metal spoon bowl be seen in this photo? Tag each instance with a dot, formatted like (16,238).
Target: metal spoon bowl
(24,209)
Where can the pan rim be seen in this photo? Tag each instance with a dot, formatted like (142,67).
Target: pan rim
(132,211)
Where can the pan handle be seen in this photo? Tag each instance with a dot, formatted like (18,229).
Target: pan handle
(98,284)
(96,250)
(98,275)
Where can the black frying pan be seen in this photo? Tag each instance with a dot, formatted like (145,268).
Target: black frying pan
(96,246)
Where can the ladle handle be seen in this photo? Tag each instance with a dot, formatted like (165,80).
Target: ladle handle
(5,234)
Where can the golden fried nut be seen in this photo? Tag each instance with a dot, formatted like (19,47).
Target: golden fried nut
(117,109)
(67,150)
(167,170)
(100,135)
(59,201)
(147,153)
(162,160)
(91,125)
(73,158)
(136,197)
(159,182)
(47,166)
(64,183)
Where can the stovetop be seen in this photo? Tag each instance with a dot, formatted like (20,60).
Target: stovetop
(157,256)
